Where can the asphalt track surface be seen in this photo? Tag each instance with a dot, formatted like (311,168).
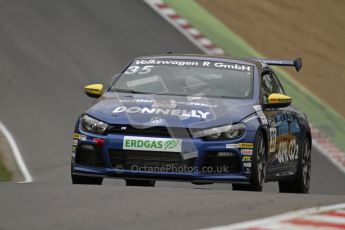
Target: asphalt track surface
(48,51)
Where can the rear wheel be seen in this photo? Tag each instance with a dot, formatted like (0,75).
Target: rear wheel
(258,166)
(301,182)
(86,180)
(144,183)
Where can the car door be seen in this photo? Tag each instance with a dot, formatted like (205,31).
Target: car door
(289,143)
(282,142)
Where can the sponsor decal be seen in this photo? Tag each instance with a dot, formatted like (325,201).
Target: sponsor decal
(240,145)
(273,139)
(225,154)
(152,144)
(247,152)
(155,120)
(246,145)
(232,146)
(172,112)
(246,158)
(75,142)
(247,164)
(149,64)
(260,114)
(287,151)
(79,136)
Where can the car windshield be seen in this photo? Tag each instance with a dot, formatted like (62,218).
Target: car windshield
(186,78)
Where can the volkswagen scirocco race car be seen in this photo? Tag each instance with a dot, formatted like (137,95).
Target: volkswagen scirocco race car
(194,118)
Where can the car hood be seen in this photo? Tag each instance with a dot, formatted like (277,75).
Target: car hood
(171,111)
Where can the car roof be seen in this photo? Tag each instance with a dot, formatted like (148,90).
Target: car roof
(202,57)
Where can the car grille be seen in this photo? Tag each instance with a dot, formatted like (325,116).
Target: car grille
(220,164)
(150,161)
(152,131)
(89,155)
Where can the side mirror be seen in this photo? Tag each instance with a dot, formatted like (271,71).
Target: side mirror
(94,91)
(276,100)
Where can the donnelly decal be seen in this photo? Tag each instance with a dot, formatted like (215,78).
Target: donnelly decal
(173,112)
(152,144)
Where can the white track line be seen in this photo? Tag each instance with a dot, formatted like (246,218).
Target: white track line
(275,220)
(16,153)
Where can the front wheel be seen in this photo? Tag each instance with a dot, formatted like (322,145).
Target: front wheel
(258,166)
(301,182)
(144,183)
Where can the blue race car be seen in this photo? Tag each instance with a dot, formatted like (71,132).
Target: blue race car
(194,118)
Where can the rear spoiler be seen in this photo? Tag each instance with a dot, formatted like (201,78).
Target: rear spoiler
(297,63)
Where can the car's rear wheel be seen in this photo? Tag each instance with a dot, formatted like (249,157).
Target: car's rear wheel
(301,181)
(144,183)
(86,180)
(258,166)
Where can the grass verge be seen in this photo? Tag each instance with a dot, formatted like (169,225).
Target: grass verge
(5,175)
(322,116)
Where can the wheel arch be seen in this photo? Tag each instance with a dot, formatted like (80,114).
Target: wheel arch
(265,134)
(308,135)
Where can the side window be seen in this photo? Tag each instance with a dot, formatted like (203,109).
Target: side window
(268,86)
(279,85)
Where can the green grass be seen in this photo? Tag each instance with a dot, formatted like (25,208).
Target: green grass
(5,175)
(322,116)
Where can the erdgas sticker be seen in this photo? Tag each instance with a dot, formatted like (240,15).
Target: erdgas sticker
(172,112)
(152,144)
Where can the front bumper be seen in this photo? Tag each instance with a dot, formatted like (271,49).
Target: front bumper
(194,150)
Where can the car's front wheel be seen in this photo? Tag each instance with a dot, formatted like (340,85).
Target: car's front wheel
(86,180)
(258,166)
(144,183)
(301,181)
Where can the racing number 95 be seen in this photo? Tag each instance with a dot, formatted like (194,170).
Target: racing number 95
(138,69)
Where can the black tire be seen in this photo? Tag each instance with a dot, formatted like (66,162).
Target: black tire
(86,180)
(301,181)
(259,160)
(144,183)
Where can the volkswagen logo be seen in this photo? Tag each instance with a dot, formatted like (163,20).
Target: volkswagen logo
(156,120)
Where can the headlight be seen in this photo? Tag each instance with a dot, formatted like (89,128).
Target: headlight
(222,132)
(93,125)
